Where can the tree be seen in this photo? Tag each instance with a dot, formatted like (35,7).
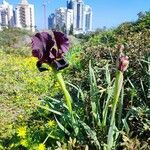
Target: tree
(57,27)
(71,30)
(64,29)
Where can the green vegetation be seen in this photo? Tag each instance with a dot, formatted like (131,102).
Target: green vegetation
(110,109)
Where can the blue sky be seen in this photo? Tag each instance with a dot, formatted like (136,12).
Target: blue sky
(109,13)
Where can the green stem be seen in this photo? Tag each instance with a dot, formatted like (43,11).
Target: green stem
(66,93)
(47,137)
(120,107)
(68,101)
(148,95)
(117,90)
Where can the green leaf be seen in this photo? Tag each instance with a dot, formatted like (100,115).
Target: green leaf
(80,92)
(91,134)
(62,127)
(51,110)
(94,97)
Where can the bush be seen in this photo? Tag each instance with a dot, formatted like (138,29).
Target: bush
(15,41)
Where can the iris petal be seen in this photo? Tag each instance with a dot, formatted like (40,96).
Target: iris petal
(41,45)
(62,41)
(60,64)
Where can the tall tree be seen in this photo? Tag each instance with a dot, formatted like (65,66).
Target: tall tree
(64,29)
(57,27)
(71,30)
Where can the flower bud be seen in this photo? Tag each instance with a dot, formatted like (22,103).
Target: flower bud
(123,63)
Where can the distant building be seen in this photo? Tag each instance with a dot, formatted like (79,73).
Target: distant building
(69,21)
(76,14)
(88,18)
(6,15)
(61,17)
(24,15)
(51,21)
(82,17)
(70,4)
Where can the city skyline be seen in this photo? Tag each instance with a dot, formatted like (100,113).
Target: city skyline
(75,18)
(105,12)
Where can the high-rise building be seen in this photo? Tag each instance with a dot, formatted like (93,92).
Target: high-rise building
(82,17)
(61,17)
(88,18)
(51,21)
(69,19)
(6,15)
(24,14)
(78,8)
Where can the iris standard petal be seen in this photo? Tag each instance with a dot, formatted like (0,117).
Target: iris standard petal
(62,41)
(41,45)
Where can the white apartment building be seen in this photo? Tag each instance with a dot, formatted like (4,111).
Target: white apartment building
(78,16)
(6,15)
(61,16)
(69,21)
(24,15)
(82,16)
(87,18)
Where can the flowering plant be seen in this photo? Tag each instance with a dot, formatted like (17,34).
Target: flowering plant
(50,49)
(122,65)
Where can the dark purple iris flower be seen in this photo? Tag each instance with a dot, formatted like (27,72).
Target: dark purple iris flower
(50,49)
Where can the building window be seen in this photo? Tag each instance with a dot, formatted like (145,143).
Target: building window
(78,15)
(22,16)
(3,18)
(31,17)
(87,22)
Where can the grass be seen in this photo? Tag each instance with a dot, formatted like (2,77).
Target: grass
(21,86)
